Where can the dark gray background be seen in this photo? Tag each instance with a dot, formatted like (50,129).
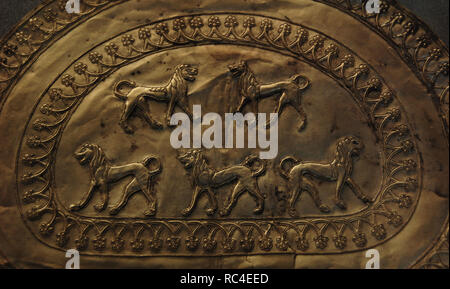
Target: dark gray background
(433,12)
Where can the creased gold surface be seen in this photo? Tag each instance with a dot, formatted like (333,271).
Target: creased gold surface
(331,114)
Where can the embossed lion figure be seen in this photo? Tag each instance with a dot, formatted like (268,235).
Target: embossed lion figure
(103,174)
(251,91)
(339,170)
(205,179)
(174,93)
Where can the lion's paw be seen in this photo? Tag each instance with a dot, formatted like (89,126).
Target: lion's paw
(186,212)
(341,204)
(324,209)
(210,211)
(258,210)
(150,212)
(292,212)
(75,207)
(100,207)
(302,126)
(114,211)
(224,212)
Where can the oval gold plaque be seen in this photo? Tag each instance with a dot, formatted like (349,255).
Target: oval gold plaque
(88,161)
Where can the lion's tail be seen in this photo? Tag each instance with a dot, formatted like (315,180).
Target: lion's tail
(284,171)
(151,158)
(252,158)
(118,86)
(296,79)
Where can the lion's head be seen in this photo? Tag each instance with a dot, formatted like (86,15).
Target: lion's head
(238,69)
(90,153)
(186,71)
(189,158)
(84,153)
(349,145)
